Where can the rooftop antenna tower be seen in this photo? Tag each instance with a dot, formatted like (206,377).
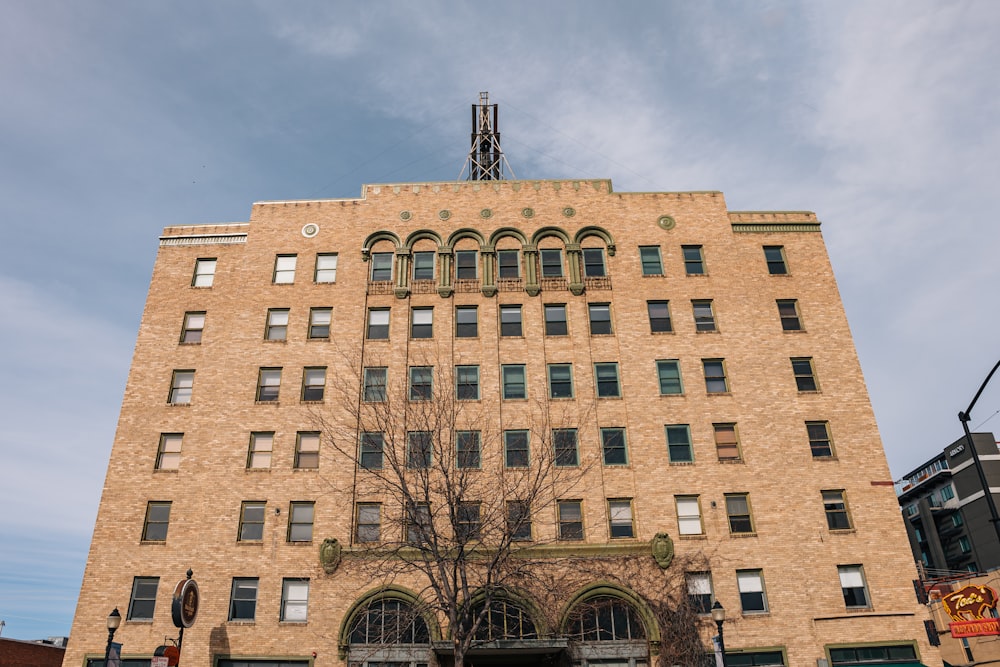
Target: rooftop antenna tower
(486,161)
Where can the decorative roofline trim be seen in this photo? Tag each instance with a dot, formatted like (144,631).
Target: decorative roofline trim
(745,227)
(203,239)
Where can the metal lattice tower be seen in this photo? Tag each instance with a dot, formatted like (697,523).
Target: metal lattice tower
(486,161)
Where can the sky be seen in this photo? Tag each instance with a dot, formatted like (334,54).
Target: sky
(120,118)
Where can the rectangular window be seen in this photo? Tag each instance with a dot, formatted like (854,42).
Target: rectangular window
(566,450)
(368,526)
(751,586)
(251,521)
(419,449)
(570,519)
(704,318)
(727,444)
(738,512)
(699,590)
(600,318)
(422,323)
(788,311)
(378,323)
(277,324)
(313,384)
(154,528)
(805,376)
(560,381)
(964,545)
(668,372)
(326,268)
(688,515)
(168,454)
(261,446)
(300,521)
(181,386)
(508,264)
(371,450)
(819,439)
(652,264)
(694,260)
(243,599)
(515,446)
(143,600)
(518,520)
(466,321)
(319,323)
(468,446)
(510,321)
(852,584)
(204,272)
(835,506)
(191,330)
(421,383)
(423,265)
(284,269)
(418,522)
(555,320)
(374,381)
(467,383)
(467,521)
(606,378)
(775,257)
(552,265)
(613,446)
(715,376)
(294,600)
(307,450)
(620,518)
(381,267)
(679,448)
(268,385)
(465,265)
(659,316)
(514,383)
(593,263)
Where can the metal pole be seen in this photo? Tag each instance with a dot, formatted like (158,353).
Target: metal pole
(111,635)
(722,642)
(964,417)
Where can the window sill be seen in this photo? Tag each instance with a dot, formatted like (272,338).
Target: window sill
(297,469)
(324,282)
(653,275)
(707,331)
(257,470)
(719,393)
(696,275)
(139,621)
(810,391)
(266,402)
(522,399)
(316,402)
(201,286)
(283,284)
(859,610)
(732,461)
(190,342)
(843,531)
(299,543)
(318,339)
(663,333)
(165,471)
(794,331)
(755,614)
(825,458)
(179,405)
(250,543)
(241,622)
(276,340)
(292,623)
(682,463)
(700,536)
(612,398)
(153,542)
(742,535)
(681,394)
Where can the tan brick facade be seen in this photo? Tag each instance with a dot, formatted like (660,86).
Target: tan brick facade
(791,543)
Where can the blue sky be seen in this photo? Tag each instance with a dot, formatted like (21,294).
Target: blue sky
(120,118)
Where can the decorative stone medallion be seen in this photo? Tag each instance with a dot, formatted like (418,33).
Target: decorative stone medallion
(666,222)
(330,554)
(569,211)
(310,230)
(485,213)
(663,550)
(405,215)
(444,215)
(528,212)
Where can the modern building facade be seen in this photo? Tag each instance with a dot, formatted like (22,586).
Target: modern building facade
(946,512)
(703,356)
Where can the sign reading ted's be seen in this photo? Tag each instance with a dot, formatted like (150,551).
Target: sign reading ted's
(973,611)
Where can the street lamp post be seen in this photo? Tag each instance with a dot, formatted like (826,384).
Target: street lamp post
(719,616)
(964,417)
(114,620)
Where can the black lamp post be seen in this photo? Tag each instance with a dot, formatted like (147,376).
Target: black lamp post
(719,616)
(964,417)
(114,620)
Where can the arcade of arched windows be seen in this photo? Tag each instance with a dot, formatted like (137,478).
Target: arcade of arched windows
(505,261)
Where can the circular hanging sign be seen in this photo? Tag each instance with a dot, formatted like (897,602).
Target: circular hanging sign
(184,608)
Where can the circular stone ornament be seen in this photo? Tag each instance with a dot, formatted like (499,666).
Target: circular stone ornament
(569,211)
(528,212)
(486,213)
(405,215)
(666,222)
(445,214)
(310,230)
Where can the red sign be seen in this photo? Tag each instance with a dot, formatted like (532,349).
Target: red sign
(986,626)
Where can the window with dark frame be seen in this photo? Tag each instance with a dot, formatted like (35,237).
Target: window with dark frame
(467,521)
(750,584)
(607,381)
(300,521)
(168,453)
(467,383)
(659,316)
(313,384)
(423,265)
(375,378)
(181,387)
(727,444)
(774,255)
(788,312)
(570,519)
(251,527)
(613,446)
(652,263)
(600,318)
(668,373)
(852,584)
(508,264)
(284,269)
(515,443)
(277,324)
(142,603)
(620,518)
(514,381)
(835,506)
(738,513)
(716,381)
(381,266)
(154,528)
(326,268)
(468,445)
(704,317)
(204,272)
(268,385)
(519,520)
(194,325)
(378,323)
(421,383)
(694,260)
(567,454)
(805,375)
(422,323)
(319,323)
(372,443)
(243,599)
(820,443)
(466,265)
(419,449)
(593,263)
(294,600)
(560,380)
(510,320)
(466,321)
(552,264)
(368,526)
(261,447)
(307,450)
(699,591)
(418,523)
(555,319)
(679,448)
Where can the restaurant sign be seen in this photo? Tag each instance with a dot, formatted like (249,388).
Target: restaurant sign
(973,611)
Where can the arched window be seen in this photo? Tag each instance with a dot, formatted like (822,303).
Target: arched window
(504,620)
(389,621)
(605,618)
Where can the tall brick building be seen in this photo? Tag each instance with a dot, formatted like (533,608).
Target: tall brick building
(706,356)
